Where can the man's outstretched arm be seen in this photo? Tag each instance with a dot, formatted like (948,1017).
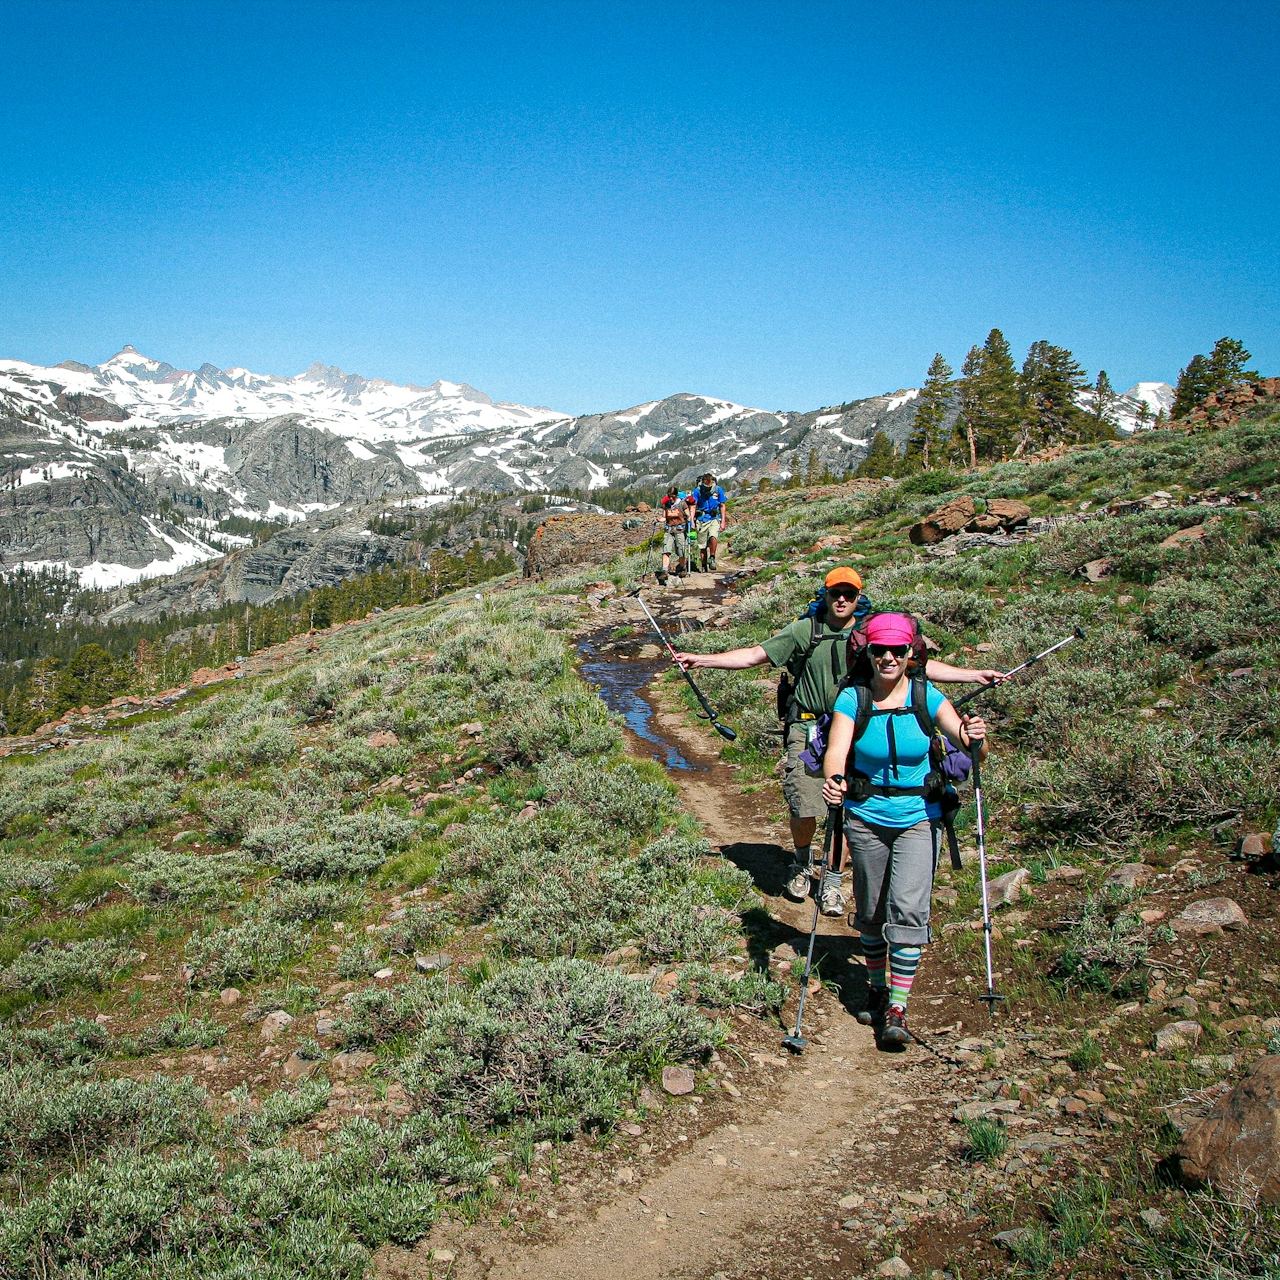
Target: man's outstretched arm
(734,660)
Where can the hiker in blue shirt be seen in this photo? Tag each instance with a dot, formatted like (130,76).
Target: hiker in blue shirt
(881,764)
(711,515)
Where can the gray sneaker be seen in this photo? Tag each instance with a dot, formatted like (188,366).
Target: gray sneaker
(799,880)
(833,903)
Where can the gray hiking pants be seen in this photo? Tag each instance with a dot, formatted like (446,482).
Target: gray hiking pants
(893,879)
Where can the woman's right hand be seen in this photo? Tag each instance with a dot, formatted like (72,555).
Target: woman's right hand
(833,791)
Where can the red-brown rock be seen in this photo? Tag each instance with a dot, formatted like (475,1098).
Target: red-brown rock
(1236,1147)
(949,518)
(983,524)
(1009,511)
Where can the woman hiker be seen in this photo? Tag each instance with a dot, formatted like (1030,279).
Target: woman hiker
(892,818)
(677,511)
(814,657)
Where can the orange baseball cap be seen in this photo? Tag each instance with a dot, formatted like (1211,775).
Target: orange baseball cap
(843,576)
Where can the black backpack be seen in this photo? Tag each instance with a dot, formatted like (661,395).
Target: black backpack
(859,680)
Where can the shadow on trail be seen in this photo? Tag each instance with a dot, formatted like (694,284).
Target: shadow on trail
(765,863)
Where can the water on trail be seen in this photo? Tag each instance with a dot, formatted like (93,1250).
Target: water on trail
(621,678)
(622,662)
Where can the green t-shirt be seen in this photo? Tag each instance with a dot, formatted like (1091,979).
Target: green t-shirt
(820,680)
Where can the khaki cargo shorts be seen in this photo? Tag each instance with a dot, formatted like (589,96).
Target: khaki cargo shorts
(707,531)
(675,542)
(801,786)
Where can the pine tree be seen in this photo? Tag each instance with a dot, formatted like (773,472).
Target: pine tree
(881,459)
(1051,382)
(40,692)
(1001,402)
(1194,386)
(814,470)
(989,399)
(1227,364)
(1101,416)
(971,400)
(925,443)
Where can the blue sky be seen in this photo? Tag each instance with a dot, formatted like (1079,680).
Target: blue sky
(591,205)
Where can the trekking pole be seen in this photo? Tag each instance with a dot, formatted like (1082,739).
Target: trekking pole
(991,998)
(649,558)
(722,729)
(1077,634)
(830,854)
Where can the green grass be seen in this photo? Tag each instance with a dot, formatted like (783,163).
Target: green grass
(988,1140)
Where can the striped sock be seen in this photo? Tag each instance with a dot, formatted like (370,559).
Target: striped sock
(903,962)
(875,950)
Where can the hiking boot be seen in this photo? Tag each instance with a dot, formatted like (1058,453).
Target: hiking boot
(895,1030)
(661,575)
(833,903)
(711,563)
(877,1004)
(798,880)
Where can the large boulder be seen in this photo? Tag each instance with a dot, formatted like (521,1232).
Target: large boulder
(949,518)
(1236,1147)
(1009,511)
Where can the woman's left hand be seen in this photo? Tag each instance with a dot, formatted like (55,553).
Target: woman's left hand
(973,729)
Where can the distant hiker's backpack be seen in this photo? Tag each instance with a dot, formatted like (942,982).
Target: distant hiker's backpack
(858,665)
(708,502)
(815,611)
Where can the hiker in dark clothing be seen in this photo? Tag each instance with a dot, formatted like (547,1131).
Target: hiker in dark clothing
(677,512)
(814,659)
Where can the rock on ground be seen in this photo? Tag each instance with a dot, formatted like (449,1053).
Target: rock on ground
(1177,1035)
(1210,915)
(893,1267)
(677,1080)
(273,1024)
(1005,890)
(1236,1147)
(1128,875)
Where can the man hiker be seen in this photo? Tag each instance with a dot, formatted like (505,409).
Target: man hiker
(711,514)
(677,511)
(814,657)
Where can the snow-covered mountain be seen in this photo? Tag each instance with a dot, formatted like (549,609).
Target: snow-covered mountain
(157,394)
(1139,407)
(132,469)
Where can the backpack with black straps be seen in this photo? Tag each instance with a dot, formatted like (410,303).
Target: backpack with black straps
(816,612)
(858,665)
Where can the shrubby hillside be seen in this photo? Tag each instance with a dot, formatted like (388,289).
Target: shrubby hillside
(1163,718)
(397,864)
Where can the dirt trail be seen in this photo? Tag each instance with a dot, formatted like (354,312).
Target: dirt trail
(745,1186)
(704,1211)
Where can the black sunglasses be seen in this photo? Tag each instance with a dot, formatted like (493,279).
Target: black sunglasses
(839,593)
(898,650)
